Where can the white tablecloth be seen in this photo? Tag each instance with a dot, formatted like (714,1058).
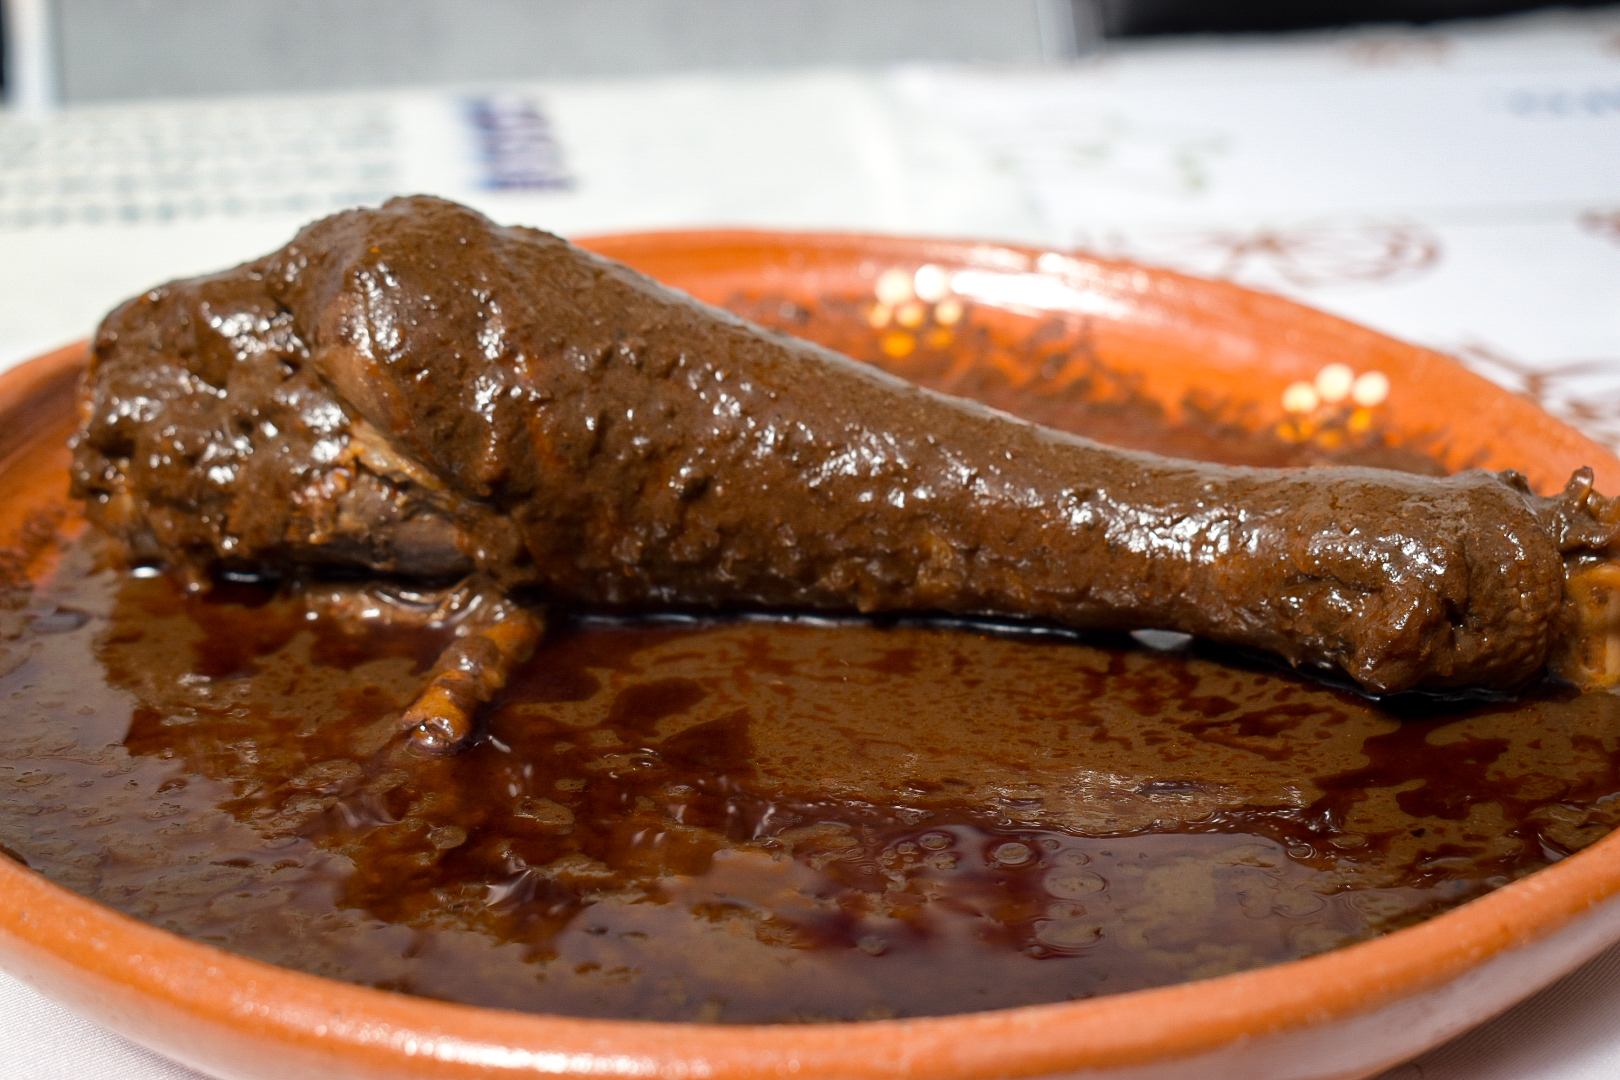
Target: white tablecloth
(1459,187)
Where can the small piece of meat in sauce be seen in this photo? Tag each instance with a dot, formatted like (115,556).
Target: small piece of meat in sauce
(415,391)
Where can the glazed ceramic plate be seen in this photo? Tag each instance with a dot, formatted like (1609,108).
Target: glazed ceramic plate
(1051,336)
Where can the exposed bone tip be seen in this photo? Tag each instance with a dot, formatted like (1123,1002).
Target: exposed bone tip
(471,671)
(1590,656)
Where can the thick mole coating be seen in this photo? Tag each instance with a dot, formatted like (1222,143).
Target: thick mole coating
(413,389)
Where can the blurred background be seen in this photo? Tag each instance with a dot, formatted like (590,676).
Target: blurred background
(111,50)
(1445,170)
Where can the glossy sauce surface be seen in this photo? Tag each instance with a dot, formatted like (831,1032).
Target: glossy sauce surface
(750,820)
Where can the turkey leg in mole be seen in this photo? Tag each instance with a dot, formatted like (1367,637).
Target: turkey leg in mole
(415,391)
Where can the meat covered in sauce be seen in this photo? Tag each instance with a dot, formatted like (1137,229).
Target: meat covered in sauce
(415,391)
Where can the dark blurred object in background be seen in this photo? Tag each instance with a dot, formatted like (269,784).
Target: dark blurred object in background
(5,57)
(1133,18)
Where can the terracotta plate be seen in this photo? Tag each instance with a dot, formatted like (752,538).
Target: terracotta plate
(1036,333)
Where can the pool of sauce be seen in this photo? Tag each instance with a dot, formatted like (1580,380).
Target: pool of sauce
(753,819)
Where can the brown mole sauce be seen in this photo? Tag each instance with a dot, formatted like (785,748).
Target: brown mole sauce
(753,819)
(750,819)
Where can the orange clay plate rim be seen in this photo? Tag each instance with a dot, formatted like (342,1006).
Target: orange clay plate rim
(201,1004)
